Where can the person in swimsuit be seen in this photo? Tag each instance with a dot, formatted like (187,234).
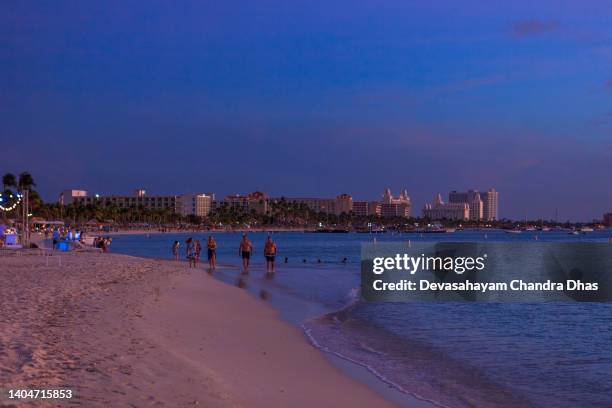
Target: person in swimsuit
(175,250)
(270,254)
(245,249)
(191,252)
(212,252)
(198,251)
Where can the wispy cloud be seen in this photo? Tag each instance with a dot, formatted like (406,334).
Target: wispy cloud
(530,28)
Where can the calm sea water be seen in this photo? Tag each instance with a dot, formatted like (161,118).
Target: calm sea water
(456,354)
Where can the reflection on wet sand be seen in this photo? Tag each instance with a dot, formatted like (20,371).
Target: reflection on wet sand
(264,294)
(241,282)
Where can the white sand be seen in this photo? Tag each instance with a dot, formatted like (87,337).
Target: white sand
(124,331)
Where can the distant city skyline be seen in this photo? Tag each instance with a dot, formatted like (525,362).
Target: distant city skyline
(288,98)
(418,202)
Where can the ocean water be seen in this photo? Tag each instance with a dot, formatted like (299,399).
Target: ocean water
(455,354)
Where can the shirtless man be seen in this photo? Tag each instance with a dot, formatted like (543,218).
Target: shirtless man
(270,254)
(245,249)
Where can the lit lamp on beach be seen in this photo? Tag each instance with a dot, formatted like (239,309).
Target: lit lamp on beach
(9,201)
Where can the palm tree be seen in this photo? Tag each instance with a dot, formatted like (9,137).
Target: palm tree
(36,201)
(26,181)
(9,180)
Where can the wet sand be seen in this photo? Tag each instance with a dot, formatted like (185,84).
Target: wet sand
(126,331)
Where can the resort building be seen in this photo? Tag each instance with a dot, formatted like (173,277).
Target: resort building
(258,202)
(199,204)
(236,202)
(473,200)
(395,210)
(195,204)
(255,201)
(607,219)
(395,206)
(365,208)
(344,204)
(374,208)
(439,210)
(483,206)
(144,201)
(68,197)
(360,208)
(341,204)
(490,200)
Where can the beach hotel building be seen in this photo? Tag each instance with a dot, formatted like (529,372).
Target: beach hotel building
(490,199)
(68,197)
(187,204)
(389,206)
(255,201)
(472,199)
(395,206)
(439,210)
(483,206)
(607,220)
(260,203)
(339,205)
(360,208)
(195,204)
(365,208)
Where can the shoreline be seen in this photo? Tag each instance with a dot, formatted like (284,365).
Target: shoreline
(115,325)
(203,231)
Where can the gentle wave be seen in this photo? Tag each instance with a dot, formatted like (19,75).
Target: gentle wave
(410,367)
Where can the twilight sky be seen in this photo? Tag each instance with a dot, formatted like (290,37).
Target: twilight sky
(313,98)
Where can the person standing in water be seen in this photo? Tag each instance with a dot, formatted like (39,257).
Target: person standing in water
(175,250)
(191,252)
(270,254)
(198,251)
(212,252)
(245,249)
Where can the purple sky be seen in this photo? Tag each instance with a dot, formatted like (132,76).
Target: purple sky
(313,98)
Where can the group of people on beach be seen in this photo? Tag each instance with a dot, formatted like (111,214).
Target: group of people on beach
(193,250)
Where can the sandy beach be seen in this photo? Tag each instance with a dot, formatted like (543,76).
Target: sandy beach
(126,331)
